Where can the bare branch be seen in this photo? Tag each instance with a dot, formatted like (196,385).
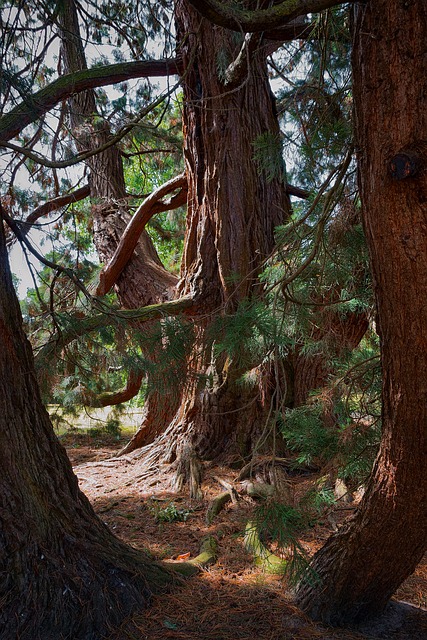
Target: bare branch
(36,106)
(129,240)
(297,192)
(107,399)
(237,70)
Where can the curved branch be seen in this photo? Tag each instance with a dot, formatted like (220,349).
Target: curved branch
(235,17)
(53,205)
(41,102)
(133,385)
(129,240)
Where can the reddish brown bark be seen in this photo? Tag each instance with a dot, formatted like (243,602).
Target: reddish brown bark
(62,573)
(233,210)
(133,385)
(367,560)
(136,226)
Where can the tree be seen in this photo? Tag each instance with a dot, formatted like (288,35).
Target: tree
(230,196)
(141,279)
(390,527)
(219,275)
(361,566)
(64,575)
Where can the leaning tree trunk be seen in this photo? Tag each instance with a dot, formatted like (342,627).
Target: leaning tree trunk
(144,280)
(62,573)
(362,566)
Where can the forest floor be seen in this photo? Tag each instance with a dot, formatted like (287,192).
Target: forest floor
(232,599)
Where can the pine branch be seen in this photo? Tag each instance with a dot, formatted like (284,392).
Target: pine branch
(79,157)
(48,263)
(83,326)
(53,205)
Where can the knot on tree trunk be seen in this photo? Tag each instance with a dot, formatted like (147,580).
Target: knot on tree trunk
(409,162)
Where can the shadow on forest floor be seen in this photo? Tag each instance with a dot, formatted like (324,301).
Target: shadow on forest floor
(233,599)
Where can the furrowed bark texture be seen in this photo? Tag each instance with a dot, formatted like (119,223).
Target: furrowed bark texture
(63,575)
(362,566)
(232,212)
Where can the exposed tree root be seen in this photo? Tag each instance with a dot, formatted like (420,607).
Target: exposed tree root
(217,505)
(263,558)
(206,557)
(260,490)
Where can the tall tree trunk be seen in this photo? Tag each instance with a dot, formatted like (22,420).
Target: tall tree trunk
(233,209)
(367,560)
(144,280)
(62,573)
(341,334)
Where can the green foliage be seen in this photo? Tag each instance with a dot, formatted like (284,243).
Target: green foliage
(268,154)
(169,513)
(283,524)
(305,432)
(249,335)
(112,427)
(315,104)
(351,442)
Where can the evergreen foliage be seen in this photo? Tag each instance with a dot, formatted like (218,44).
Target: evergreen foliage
(317,276)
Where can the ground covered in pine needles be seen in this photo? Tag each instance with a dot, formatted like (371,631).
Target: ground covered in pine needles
(233,599)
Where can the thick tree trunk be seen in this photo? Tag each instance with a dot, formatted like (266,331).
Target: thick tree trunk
(63,575)
(341,334)
(233,209)
(367,560)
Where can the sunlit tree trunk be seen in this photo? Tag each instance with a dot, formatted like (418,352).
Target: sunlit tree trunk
(233,209)
(362,566)
(62,573)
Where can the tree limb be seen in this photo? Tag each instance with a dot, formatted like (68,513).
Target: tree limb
(36,157)
(133,385)
(53,205)
(82,326)
(41,102)
(297,191)
(231,15)
(129,240)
